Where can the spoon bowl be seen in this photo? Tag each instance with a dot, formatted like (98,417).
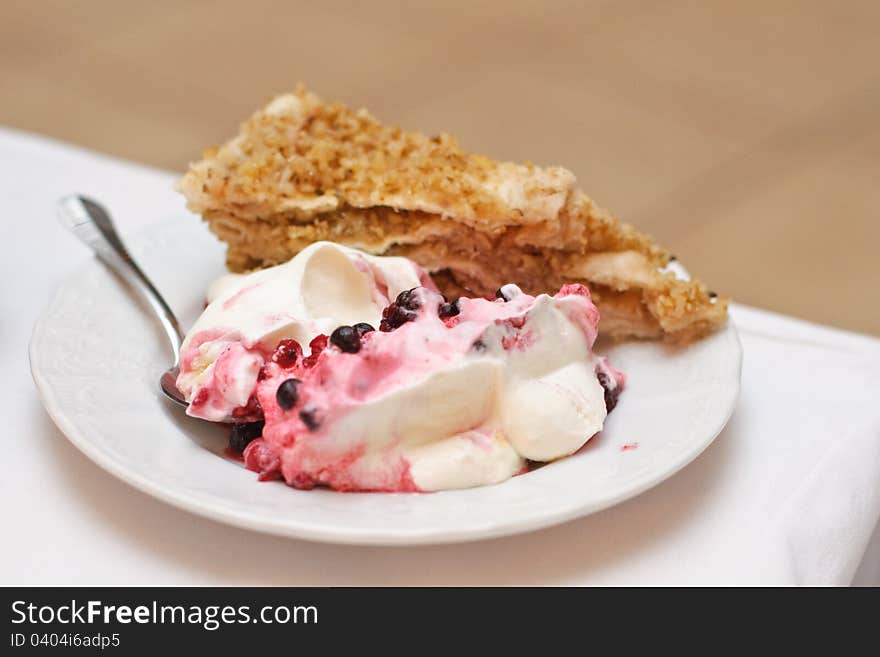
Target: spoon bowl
(168,385)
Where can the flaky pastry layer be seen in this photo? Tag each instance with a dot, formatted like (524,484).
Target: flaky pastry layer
(302,170)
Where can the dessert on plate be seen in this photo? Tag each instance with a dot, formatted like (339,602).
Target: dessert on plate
(325,286)
(302,170)
(404,316)
(352,371)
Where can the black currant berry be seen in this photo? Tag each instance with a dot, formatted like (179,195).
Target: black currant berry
(347,339)
(287,394)
(409,299)
(447,310)
(611,394)
(395,316)
(243,434)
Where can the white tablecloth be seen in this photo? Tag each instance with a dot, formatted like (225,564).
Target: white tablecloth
(789,493)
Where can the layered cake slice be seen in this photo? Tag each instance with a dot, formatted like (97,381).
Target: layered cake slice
(302,170)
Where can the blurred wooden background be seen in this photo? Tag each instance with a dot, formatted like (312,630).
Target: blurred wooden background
(742,133)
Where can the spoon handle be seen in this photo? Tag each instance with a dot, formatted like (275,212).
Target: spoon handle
(92,225)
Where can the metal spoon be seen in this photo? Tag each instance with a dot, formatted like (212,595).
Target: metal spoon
(91,224)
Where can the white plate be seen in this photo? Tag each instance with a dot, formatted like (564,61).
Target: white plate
(96,357)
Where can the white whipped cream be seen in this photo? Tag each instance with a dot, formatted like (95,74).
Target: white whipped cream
(435,403)
(539,403)
(324,286)
(421,408)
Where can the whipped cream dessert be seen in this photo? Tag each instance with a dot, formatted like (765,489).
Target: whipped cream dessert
(324,286)
(398,388)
